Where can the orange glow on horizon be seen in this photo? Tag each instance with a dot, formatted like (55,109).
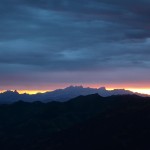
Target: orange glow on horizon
(31,91)
(138,90)
(27,91)
(133,88)
(142,91)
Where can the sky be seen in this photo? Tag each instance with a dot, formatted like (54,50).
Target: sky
(49,44)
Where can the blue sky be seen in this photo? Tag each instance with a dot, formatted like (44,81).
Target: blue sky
(45,44)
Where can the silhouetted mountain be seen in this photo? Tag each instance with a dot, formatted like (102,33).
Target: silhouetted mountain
(12,96)
(124,128)
(59,95)
(85,122)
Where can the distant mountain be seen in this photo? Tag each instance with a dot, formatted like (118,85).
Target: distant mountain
(60,94)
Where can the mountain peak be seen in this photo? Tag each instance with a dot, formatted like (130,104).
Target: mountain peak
(102,88)
(15,91)
(75,87)
(10,92)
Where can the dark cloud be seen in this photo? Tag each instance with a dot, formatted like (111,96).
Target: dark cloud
(61,36)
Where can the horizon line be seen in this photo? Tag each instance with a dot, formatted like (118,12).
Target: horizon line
(32,92)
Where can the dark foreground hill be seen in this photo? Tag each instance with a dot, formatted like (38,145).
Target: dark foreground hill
(84,123)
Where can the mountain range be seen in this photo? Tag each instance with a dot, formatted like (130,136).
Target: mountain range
(88,122)
(60,94)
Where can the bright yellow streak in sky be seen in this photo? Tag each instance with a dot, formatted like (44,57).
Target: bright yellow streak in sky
(31,91)
(143,91)
(27,91)
(138,90)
